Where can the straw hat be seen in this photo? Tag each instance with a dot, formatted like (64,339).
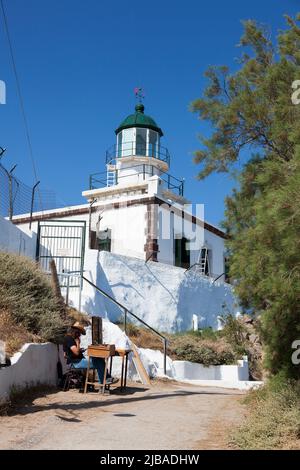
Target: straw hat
(79,327)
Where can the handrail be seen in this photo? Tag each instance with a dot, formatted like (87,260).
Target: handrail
(133,148)
(126,311)
(218,277)
(99,179)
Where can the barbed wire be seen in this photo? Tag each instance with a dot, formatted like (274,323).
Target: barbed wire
(16,196)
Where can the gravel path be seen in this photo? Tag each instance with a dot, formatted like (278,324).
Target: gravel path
(167,415)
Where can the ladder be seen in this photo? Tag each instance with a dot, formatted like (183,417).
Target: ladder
(111,175)
(203,260)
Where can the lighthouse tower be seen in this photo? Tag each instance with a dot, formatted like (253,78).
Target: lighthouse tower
(138,153)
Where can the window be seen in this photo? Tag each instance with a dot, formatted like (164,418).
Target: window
(104,240)
(120,139)
(153,144)
(141,140)
(182,252)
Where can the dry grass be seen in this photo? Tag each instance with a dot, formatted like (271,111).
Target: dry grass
(144,338)
(74,315)
(273,418)
(29,308)
(14,335)
(26,293)
(187,346)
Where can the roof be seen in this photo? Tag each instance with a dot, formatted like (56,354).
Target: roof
(139,119)
(84,209)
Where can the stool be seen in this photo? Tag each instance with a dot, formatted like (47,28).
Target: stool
(72,373)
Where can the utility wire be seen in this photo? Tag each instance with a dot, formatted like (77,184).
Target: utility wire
(20,98)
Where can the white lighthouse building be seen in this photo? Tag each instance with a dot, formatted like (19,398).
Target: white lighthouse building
(137,238)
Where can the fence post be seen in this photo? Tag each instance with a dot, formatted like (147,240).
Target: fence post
(32,202)
(10,192)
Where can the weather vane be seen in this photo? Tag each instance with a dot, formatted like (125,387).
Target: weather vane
(139,94)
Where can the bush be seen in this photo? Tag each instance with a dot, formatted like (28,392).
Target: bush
(206,352)
(27,297)
(273,420)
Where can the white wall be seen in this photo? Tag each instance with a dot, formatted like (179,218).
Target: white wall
(185,370)
(127,226)
(166,297)
(34,364)
(172,224)
(15,240)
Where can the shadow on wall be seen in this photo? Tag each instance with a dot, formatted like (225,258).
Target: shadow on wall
(98,304)
(199,296)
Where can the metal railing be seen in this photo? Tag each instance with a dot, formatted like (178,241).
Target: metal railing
(129,149)
(99,180)
(128,312)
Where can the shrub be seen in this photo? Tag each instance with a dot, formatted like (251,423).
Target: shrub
(273,420)
(27,296)
(204,352)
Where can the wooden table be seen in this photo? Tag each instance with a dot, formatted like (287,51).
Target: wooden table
(123,353)
(101,351)
(107,352)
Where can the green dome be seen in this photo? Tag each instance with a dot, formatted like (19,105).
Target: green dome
(139,119)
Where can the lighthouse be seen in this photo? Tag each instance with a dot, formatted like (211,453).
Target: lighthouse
(138,153)
(136,236)
(137,156)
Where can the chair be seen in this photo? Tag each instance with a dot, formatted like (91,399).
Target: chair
(73,375)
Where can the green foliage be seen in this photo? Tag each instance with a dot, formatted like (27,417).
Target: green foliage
(274,418)
(206,352)
(26,293)
(266,257)
(252,107)
(235,332)
(205,333)
(252,110)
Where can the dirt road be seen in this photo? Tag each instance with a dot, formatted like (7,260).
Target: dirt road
(166,416)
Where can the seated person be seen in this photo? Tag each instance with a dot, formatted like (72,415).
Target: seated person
(74,353)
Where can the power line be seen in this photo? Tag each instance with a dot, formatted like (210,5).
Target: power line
(20,96)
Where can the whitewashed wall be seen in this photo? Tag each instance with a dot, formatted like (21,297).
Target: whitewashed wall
(34,364)
(15,240)
(170,225)
(164,296)
(127,226)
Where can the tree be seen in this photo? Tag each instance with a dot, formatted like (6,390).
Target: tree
(252,110)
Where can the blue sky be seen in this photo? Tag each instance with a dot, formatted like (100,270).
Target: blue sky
(78,64)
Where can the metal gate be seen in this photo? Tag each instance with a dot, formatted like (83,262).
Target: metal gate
(64,242)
